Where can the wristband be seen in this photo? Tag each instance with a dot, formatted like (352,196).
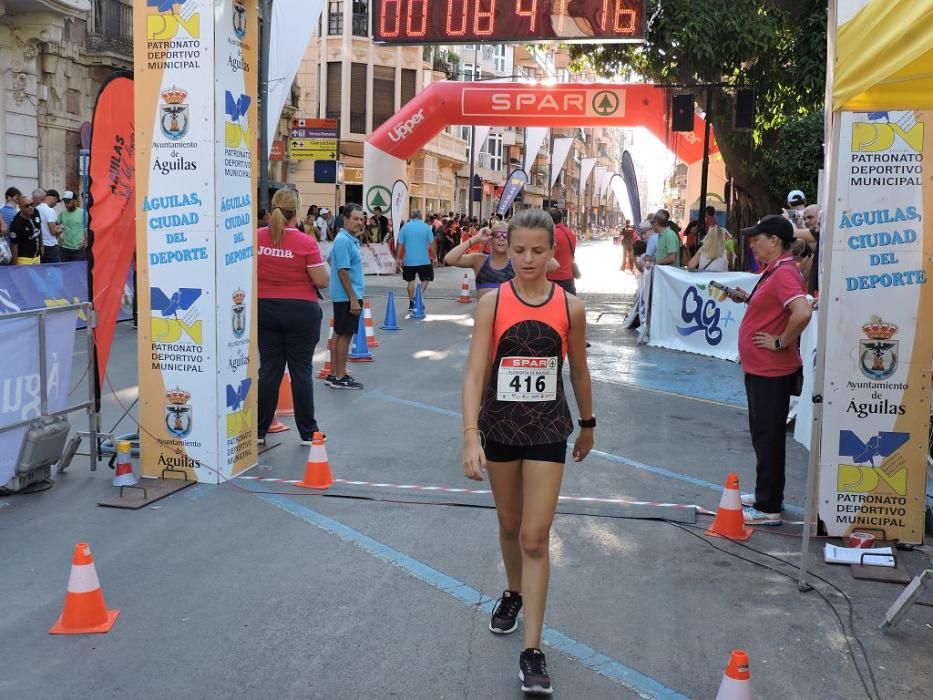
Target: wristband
(588,423)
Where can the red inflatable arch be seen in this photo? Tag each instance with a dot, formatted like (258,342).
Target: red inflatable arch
(564,105)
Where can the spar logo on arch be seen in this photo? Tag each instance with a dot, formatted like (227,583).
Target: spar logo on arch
(171,21)
(490,101)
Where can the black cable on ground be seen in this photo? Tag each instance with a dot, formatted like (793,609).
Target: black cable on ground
(874,685)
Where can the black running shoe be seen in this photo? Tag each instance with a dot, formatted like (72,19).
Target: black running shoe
(505,614)
(532,669)
(411,305)
(346,382)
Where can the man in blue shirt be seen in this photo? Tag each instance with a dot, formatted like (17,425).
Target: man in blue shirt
(417,240)
(346,291)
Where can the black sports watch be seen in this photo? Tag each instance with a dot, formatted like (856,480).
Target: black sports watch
(777,343)
(588,423)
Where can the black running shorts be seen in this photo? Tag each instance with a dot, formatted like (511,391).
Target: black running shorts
(425,273)
(551,452)
(345,323)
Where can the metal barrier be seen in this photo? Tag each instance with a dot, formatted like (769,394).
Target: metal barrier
(88,406)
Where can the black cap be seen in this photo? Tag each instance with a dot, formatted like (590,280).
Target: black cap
(53,193)
(772,225)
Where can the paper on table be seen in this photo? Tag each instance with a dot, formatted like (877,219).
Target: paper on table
(880,556)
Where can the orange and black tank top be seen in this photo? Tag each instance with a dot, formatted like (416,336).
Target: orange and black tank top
(524,402)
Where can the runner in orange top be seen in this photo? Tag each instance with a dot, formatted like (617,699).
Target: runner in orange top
(516,422)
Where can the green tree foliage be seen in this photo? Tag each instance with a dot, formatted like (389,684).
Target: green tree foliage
(776,47)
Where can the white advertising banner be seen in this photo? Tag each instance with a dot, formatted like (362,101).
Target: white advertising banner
(560,150)
(803,427)
(293,25)
(687,314)
(534,137)
(377,258)
(195,105)
(639,310)
(20,386)
(878,306)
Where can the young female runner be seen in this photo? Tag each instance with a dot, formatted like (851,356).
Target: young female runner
(516,422)
(491,270)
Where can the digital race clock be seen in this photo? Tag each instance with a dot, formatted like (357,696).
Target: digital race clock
(507,21)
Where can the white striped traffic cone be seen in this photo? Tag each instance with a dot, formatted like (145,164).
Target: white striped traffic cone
(736,681)
(85,611)
(326,369)
(371,341)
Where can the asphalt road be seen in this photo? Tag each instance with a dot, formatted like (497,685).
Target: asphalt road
(256,589)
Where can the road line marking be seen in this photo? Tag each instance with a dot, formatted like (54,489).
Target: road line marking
(661,471)
(606,666)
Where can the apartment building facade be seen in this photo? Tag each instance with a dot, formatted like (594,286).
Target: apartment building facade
(345,76)
(54,56)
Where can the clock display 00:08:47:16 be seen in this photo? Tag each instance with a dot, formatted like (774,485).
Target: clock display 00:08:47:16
(459,21)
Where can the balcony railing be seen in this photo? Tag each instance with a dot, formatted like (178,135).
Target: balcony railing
(111,27)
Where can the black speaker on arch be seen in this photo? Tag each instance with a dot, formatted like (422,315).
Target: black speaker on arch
(682,113)
(744,115)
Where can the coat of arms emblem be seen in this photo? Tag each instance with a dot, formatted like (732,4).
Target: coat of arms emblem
(239,313)
(878,352)
(239,18)
(177,412)
(173,115)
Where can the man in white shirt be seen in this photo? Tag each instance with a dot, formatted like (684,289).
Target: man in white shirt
(323,224)
(48,224)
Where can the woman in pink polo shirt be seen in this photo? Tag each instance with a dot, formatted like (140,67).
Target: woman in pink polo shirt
(290,270)
(777,313)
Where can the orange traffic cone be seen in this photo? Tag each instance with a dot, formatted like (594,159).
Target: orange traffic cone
(465,291)
(85,611)
(326,369)
(317,471)
(285,406)
(277,426)
(371,341)
(736,681)
(729,522)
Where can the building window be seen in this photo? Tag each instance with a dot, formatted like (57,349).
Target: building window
(383,94)
(465,134)
(335,17)
(361,18)
(494,149)
(334,89)
(358,74)
(409,85)
(499,58)
(470,71)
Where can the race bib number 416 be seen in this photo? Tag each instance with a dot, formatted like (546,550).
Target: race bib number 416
(527,379)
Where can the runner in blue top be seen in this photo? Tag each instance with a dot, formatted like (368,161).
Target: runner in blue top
(416,252)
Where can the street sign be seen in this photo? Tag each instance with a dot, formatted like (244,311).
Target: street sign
(314,129)
(312,133)
(313,149)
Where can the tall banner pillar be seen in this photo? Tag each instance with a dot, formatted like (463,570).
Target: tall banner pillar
(195,96)
(878,305)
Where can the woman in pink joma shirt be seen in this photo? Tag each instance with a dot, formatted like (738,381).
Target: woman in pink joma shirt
(290,270)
